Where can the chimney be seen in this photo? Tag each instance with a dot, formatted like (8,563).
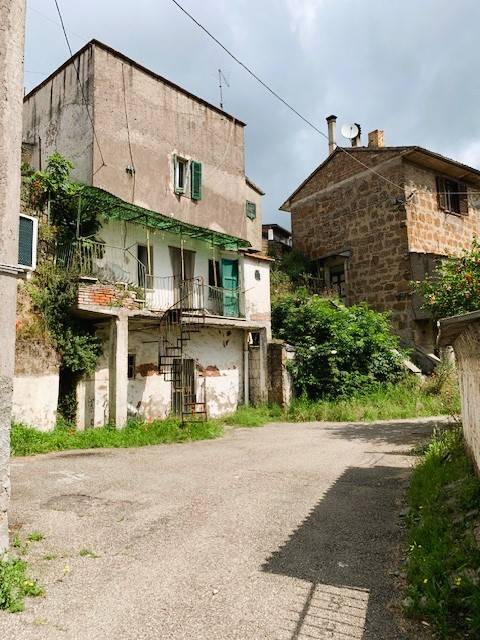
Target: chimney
(332,122)
(357,141)
(376,138)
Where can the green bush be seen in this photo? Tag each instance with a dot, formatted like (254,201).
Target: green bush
(15,584)
(340,351)
(454,287)
(443,558)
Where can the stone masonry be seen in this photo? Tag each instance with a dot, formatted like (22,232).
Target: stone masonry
(379,227)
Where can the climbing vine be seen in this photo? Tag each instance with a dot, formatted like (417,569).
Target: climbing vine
(54,290)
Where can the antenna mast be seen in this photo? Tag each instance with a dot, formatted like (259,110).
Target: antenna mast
(221,76)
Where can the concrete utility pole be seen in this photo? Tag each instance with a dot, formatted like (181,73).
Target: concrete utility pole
(12,35)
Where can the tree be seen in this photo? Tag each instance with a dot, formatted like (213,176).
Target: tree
(454,286)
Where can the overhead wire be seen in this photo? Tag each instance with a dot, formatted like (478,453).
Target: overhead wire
(279,97)
(75,66)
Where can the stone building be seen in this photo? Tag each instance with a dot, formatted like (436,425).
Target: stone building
(174,281)
(375,218)
(276,240)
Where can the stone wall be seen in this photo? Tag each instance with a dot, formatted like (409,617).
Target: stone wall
(343,208)
(280,383)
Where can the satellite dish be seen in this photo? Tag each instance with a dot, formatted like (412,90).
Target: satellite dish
(350,131)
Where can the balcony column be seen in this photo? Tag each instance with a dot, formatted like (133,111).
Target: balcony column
(118,370)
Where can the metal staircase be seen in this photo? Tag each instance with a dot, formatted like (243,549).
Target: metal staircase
(184,318)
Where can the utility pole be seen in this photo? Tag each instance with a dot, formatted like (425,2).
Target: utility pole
(12,36)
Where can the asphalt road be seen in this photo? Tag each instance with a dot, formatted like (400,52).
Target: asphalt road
(284,532)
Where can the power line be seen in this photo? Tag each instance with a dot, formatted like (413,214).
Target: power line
(45,17)
(75,66)
(278,97)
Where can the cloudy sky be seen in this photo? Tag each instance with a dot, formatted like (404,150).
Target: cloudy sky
(410,67)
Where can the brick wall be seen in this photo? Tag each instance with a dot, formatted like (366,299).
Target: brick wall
(107,295)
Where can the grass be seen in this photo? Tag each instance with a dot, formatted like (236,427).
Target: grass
(443,521)
(35,536)
(27,441)
(15,585)
(87,553)
(408,399)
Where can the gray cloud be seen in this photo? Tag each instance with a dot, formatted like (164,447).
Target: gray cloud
(407,66)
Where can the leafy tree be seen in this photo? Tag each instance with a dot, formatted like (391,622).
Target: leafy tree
(340,351)
(454,287)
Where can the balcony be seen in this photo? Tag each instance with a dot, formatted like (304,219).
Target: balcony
(107,265)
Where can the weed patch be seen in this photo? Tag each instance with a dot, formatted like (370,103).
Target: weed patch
(443,558)
(15,585)
(26,441)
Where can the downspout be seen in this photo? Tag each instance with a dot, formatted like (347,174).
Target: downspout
(246,385)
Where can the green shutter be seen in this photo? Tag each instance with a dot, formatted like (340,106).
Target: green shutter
(251,210)
(196,180)
(25,241)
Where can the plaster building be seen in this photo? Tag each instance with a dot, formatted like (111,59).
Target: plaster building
(174,281)
(378,217)
(276,240)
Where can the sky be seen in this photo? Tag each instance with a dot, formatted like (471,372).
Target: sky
(409,67)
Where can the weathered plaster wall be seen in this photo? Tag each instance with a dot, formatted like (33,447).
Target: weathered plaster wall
(467,353)
(218,354)
(254,227)
(35,385)
(431,230)
(12,29)
(280,382)
(55,118)
(257,290)
(163,121)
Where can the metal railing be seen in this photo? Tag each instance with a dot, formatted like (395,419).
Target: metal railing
(93,259)
(89,258)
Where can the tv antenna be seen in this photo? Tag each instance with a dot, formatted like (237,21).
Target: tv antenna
(221,76)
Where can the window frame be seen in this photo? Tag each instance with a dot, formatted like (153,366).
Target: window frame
(177,161)
(34,220)
(251,215)
(452,195)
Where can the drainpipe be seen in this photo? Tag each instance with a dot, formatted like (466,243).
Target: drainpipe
(246,386)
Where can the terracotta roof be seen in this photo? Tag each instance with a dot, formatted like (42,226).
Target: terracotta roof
(419,155)
(127,60)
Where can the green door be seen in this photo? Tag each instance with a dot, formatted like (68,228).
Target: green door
(230,286)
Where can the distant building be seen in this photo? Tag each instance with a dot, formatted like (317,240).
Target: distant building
(276,240)
(378,217)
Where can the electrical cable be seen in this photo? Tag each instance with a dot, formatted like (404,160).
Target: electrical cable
(278,97)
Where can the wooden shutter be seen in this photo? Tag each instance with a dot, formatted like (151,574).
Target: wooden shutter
(196,180)
(441,195)
(463,198)
(26,232)
(251,210)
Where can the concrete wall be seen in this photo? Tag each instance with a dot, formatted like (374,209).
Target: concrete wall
(467,354)
(280,382)
(254,227)
(162,122)
(257,290)
(55,118)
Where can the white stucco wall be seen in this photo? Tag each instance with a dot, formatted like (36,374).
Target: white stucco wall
(35,401)
(257,290)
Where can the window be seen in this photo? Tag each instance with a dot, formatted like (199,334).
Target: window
(180,166)
(145,266)
(27,241)
(196,180)
(251,210)
(131,366)
(452,196)
(214,279)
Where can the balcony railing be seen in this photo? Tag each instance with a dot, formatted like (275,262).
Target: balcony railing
(109,264)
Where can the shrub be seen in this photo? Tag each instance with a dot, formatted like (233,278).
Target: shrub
(454,287)
(340,351)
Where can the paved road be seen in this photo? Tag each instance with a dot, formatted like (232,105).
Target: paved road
(284,532)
